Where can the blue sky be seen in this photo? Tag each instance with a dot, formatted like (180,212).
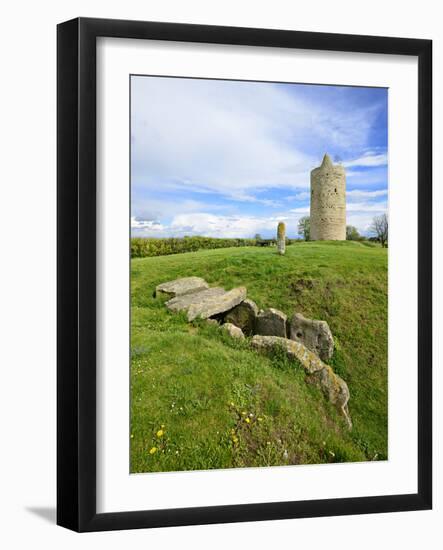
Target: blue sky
(232,158)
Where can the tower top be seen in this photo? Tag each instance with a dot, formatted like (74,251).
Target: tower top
(327,166)
(327,162)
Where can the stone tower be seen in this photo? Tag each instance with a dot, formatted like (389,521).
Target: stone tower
(328,202)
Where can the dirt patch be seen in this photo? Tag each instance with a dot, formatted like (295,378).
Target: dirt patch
(303,284)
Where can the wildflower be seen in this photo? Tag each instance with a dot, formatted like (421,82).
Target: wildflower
(244,413)
(160,433)
(132,436)
(259,418)
(153,450)
(247,420)
(232,404)
(251,415)
(285,455)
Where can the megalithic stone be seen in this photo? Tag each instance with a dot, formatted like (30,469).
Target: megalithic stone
(281,238)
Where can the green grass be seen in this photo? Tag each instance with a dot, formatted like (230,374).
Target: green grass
(198,385)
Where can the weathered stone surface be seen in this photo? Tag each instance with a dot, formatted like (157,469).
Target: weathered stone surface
(180,287)
(334,388)
(281,238)
(243,316)
(214,305)
(315,335)
(233,331)
(294,350)
(271,322)
(328,202)
(207,303)
(184,302)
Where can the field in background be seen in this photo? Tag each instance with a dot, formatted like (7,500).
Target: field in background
(193,387)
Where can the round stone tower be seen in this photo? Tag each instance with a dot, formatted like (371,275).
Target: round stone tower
(328,202)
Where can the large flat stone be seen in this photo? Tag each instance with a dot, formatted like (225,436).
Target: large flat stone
(184,301)
(214,305)
(180,287)
(333,387)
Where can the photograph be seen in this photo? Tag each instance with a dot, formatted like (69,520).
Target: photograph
(258,274)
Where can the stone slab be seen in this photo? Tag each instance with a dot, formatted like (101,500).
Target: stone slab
(180,287)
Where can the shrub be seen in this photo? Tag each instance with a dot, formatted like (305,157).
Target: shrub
(144,247)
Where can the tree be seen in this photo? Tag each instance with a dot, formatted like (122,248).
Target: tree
(352,233)
(304,228)
(379,226)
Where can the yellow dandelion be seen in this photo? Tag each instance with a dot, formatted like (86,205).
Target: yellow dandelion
(153,450)
(247,420)
(244,413)
(160,433)
(232,404)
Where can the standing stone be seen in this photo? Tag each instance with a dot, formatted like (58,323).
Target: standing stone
(315,335)
(271,322)
(180,287)
(281,238)
(243,316)
(233,331)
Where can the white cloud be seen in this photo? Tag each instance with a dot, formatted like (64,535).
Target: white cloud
(146,226)
(361,194)
(368,159)
(365,207)
(212,225)
(304,195)
(301,210)
(222,226)
(233,138)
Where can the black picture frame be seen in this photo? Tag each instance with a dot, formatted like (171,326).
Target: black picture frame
(76,279)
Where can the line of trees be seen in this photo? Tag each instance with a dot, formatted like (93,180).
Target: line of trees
(147,247)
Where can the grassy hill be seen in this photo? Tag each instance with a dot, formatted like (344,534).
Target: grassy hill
(201,400)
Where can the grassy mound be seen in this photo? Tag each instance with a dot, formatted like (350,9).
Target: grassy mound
(201,400)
